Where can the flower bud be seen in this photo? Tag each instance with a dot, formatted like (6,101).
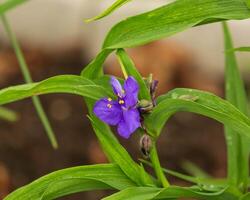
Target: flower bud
(145,106)
(145,145)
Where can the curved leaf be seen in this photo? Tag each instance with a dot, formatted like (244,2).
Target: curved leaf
(117,154)
(172,192)
(94,68)
(173,18)
(199,102)
(72,180)
(117,4)
(71,84)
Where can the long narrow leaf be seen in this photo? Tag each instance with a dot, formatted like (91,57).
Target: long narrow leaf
(199,102)
(171,19)
(117,154)
(172,192)
(71,84)
(244,49)
(117,4)
(237,145)
(72,180)
(94,69)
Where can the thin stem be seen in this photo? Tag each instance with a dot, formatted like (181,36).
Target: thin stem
(157,166)
(122,68)
(28,79)
(191,179)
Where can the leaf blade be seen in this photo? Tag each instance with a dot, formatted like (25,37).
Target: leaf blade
(243,49)
(117,154)
(117,4)
(71,84)
(205,104)
(71,180)
(237,145)
(172,192)
(171,19)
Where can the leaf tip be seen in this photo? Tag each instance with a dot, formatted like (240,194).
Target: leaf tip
(89,20)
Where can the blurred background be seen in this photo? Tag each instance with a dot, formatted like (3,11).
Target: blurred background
(55,40)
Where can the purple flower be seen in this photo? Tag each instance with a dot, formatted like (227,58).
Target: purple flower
(121,112)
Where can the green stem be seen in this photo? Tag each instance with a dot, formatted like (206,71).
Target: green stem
(157,166)
(28,79)
(191,179)
(122,68)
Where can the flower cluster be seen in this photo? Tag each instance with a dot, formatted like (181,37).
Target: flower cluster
(121,112)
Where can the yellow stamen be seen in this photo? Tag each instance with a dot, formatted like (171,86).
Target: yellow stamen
(109,105)
(123,91)
(109,99)
(121,102)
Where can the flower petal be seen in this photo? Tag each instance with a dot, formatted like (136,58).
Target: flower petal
(108,111)
(117,88)
(130,122)
(131,88)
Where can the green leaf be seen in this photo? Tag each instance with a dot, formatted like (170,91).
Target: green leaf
(72,180)
(146,193)
(131,70)
(117,4)
(71,84)
(247,3)
(94,69)
(199,102)
(237,145)
(6,5)
(239,49)
(8,115)
(171,19)
(117,154)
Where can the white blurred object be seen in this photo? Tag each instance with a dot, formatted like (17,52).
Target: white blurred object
(57,24)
